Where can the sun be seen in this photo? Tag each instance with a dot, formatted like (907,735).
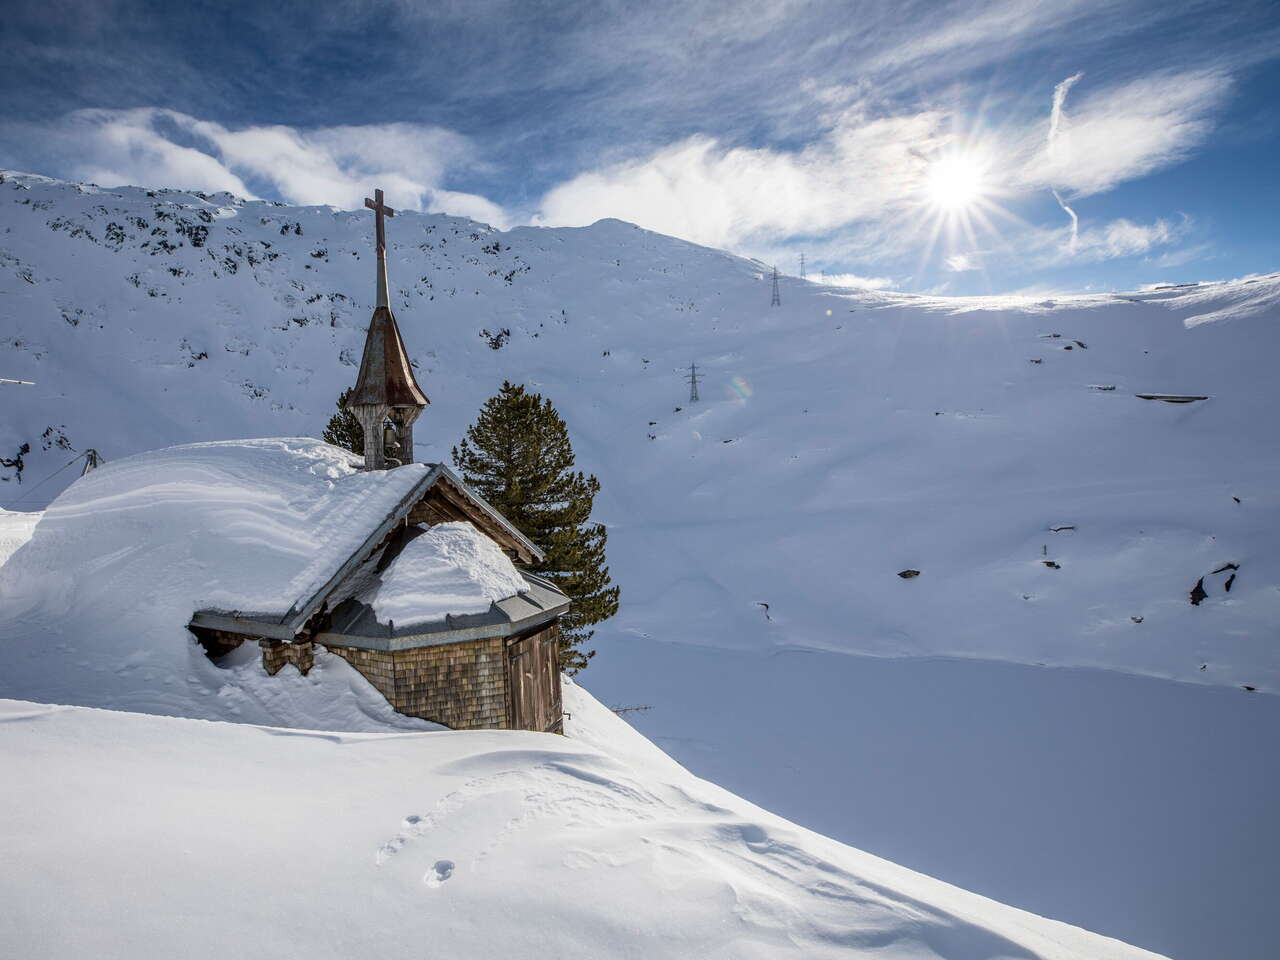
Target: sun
(957,200)
(956,182)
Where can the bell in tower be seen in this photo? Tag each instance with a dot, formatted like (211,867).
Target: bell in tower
(386,398)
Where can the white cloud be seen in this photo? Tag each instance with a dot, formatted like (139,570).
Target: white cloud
(960,262)
(115,146)
(854,280)
(977,33)
(326,165)
(1125,132)
(1124,238)
(1114,240)
(703,191)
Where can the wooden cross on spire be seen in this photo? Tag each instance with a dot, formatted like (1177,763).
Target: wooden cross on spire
(380,210)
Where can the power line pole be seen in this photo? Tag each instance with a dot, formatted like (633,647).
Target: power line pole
(777,297)
(693,379)
(92,460)
(802,265)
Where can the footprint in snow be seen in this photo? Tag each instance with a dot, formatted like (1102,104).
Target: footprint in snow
(389,849)
(439,873)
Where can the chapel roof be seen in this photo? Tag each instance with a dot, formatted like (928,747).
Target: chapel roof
(261,531)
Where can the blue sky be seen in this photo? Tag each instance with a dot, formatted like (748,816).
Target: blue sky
(924,146)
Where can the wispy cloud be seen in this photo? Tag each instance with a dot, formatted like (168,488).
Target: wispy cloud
(325,165)
(1116,239)
(854,280)
(1124,238)
(1121,133)
(1055,121)
(960,263)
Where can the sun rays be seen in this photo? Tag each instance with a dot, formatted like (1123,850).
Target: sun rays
(958,204)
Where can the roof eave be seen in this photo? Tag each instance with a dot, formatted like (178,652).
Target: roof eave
(441,637)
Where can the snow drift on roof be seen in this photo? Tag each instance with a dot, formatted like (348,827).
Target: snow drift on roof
(453,568)
(93,609)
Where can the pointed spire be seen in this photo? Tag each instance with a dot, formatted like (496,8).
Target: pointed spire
(386,378)
(386,388)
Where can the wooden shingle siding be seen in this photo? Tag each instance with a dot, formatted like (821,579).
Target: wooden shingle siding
(460,685)
(491,683)
(276,654)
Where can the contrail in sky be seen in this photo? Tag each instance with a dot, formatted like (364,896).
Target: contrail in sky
(1055,118)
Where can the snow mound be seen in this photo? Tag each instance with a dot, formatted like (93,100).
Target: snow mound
(451,569)
(93,610)
(16,528)
(479,843)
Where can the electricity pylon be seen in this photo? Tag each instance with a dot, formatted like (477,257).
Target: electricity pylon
(777,297)
(693,379)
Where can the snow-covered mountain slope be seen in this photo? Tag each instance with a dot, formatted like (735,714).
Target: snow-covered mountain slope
(138,836)
(995,445)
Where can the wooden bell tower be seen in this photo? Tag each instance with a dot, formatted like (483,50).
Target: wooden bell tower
(386,398)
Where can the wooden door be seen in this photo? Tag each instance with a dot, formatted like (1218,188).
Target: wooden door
(533,681)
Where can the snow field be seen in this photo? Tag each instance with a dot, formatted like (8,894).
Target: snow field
(223,838)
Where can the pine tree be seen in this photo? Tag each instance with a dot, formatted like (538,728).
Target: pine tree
(517,456)
(344,429)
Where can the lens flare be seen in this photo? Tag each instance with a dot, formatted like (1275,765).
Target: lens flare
(740,389)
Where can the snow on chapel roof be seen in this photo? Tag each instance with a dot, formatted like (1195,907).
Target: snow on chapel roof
(263,528)
(451,569)
(94,608)
(243,525)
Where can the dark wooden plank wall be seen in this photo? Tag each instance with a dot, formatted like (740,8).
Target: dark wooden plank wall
(533,681)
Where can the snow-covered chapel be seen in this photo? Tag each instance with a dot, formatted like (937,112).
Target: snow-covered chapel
(420,592)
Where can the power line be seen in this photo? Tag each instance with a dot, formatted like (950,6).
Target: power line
(97,459)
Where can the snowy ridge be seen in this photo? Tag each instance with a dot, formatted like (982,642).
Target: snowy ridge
(594,845)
